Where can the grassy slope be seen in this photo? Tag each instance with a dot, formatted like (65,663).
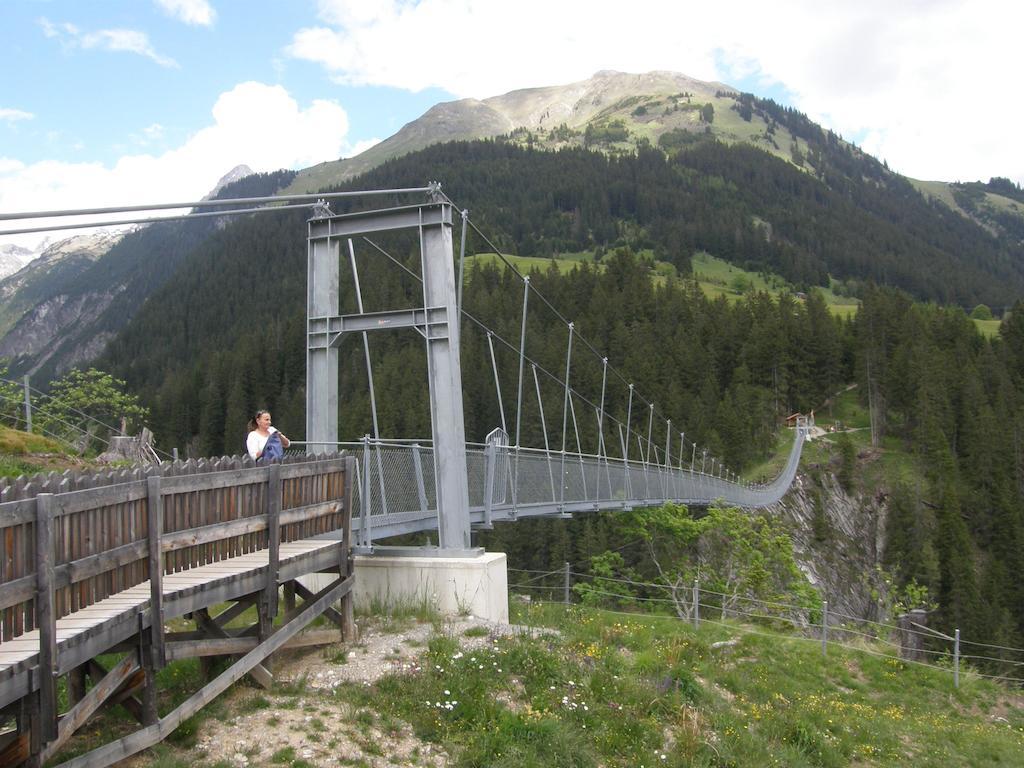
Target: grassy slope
(22,453)
(715,276)
(616,689)
(625,689)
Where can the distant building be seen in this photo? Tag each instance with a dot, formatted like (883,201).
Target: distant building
(791,420)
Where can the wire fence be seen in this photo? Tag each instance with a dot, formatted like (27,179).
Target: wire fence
(21,404)
(814,623)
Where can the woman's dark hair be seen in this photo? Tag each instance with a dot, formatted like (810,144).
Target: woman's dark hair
(253,421)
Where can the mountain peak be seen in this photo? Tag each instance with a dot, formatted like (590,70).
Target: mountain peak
(237,173)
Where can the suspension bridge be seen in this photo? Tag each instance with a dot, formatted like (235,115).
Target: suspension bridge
(91,570)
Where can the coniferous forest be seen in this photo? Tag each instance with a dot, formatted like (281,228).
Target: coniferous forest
(226,336)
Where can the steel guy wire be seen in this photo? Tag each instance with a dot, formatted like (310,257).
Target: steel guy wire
(545,300)
(745,599)
(995,677)
(509,345)
(208,203)
(1011,662)
(50,397)
(703,591)
(513,348)
(775,636)
(989,645)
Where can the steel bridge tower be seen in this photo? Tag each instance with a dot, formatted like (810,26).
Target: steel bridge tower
(437,321)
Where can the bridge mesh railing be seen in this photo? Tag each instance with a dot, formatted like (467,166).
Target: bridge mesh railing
(395,490)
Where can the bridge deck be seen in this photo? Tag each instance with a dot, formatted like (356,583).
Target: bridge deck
(84,633)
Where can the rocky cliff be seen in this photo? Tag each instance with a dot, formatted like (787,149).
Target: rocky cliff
(838,537)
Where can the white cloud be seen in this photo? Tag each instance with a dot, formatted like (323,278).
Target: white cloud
(254,124)
(929,82)
(118,40)
(14,115)
(197,12)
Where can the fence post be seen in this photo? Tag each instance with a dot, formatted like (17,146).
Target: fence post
(956,659)
(911,643)
(421,488)
(273,540)
(696,603)
(565,596)
(28,407)
(824,628)
(489,465)
(46,619)
(155,518)
(364,514)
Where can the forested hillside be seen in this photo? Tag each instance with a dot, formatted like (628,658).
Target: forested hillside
(854,221)
(106,290)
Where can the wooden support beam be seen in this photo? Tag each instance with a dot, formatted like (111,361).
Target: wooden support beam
(77,716)
(259,673)
(289,595)
(329,613)
(76,685)
(190,649)
(147,737)
(124,697)
(240,606)
(225,646)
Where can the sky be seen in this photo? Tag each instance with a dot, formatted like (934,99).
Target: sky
(124,102)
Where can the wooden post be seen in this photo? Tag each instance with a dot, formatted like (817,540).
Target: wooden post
(289,595)
(349,631)
(46,619)
(76,685)
(267,604)
(155,512)
(911,641)
(273,542)
(147,653)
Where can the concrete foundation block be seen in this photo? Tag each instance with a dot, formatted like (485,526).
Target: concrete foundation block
(452,585)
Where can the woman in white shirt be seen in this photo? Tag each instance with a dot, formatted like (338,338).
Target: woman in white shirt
(259,432)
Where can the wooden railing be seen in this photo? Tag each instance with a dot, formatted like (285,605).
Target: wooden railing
(70,540)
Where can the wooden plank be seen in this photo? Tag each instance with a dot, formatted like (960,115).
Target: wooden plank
(191,537)
(221,646)
(307,468)
(310,512)
(212,480)
(94,498)
(17,591)
(17,512)
(103,562)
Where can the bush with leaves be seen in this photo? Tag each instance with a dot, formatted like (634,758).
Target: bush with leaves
(738,556)
(609,588)
(85,407)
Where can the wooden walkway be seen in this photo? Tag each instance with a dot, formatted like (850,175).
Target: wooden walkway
(259,530)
